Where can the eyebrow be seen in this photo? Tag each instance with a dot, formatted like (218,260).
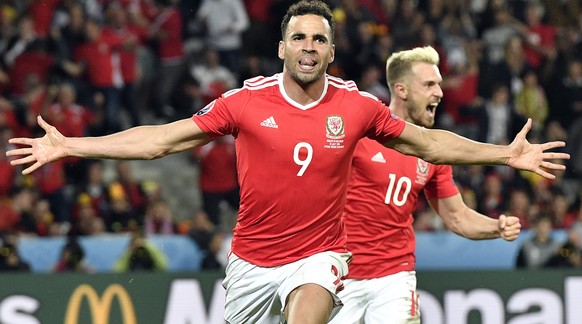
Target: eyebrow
(315,36)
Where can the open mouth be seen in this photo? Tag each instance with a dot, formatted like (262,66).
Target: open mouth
(432,108)
(307,63)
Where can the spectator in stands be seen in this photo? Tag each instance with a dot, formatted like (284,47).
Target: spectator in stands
(407,24)
(19,42)
(159,219)
(566,94)
(14,208)
(538,249)
(209,239)
(32,102)
(141,255)
(52,185)
(131,187)
(68,33)
(559,208)
(85,219)
(496,37)
(42,12)
(10,259)
(94,185)
(187,97)
(225,22)
(540,37)
(72,258)
(531,102)
(74,119)
(577,225)
(133,36)
(569,254)
(520,206)
(460,88)
(166,32)
(252,66)
(373,83)
(7,172)
(499,116)
(214,78)
(492,200)
(44,220)
(218,176)
(99,57)
(122,217)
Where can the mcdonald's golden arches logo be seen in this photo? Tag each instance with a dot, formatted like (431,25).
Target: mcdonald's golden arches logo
(100,307)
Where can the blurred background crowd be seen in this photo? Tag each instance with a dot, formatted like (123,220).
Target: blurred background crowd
(93,67)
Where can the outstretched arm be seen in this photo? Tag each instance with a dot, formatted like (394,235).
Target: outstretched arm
(138,143)
(468,223)
(444,147)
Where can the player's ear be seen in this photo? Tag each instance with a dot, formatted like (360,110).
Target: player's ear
(331,54)
(401,90)
(281,51)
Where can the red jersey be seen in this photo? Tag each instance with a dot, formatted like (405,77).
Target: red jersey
(171,46)
(382,194)
(293,163)
(103,69)
(218,166)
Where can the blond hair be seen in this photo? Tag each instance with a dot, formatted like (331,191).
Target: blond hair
(399,64)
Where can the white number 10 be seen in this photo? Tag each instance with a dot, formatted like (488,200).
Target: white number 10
(305,162)
(392,193)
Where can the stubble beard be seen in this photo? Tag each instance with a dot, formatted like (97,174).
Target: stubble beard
(304,79)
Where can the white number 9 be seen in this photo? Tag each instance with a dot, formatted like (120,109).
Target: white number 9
(305,162)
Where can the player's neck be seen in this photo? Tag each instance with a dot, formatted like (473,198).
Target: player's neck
(399,109)
(303,93)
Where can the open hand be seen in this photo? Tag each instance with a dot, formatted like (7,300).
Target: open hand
(40,151)
(533,157)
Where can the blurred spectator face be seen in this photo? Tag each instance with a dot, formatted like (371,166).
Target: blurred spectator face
(24,200)
(92,30)
(76,15)
(212,59)
(124,171)
(118,16)
(559,205)
(500,96)
(160,211)
(519,201)
(492,184)
(200,221)
(67,95)
(26,27)
(544,228)
(533,14)
(575,70)
(31,82)
(95,172)
(42,211)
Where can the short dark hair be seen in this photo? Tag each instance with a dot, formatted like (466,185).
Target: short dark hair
(308,7)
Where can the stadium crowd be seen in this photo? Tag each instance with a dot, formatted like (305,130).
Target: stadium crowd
(93,67)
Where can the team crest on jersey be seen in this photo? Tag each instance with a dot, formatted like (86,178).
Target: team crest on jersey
(205,110)
(335,127)
(335,132)
(421,171)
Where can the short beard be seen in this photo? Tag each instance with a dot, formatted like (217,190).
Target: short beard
(304,80)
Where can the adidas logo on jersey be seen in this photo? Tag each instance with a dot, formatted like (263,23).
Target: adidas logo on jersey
(378,158)
(269,122)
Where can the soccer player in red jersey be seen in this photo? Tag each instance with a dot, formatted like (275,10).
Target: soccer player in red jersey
(295,132)
(383,190)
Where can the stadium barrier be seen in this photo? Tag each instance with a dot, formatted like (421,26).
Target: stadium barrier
(435,251)
(447,297)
